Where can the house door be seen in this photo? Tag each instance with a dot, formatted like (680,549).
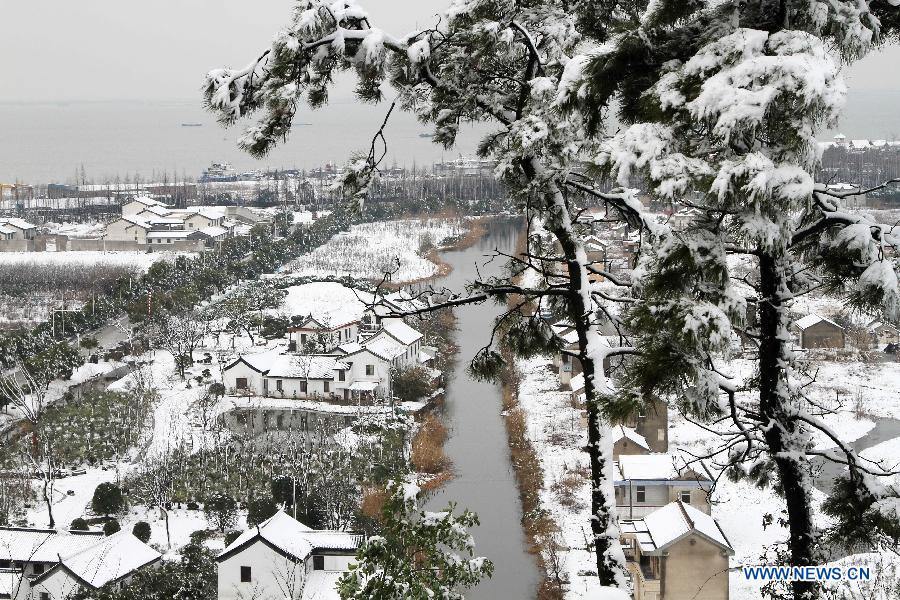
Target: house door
(265,387)
(346,394)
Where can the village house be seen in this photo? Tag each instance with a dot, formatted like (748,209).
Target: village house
(32,551)
(311,334)
(110,561)
(628,441)
(128,229)
(677,552)
(650,421)
(17,229)
(814,331)
(884,333)
(283,558)
(141,203)
(644,483)
(280,374)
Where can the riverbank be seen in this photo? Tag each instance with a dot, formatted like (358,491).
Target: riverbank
(540,527)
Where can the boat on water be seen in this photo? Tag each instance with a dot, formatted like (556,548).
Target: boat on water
(192,124)
(426,135)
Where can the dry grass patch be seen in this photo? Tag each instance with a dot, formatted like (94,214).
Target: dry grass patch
(428,447)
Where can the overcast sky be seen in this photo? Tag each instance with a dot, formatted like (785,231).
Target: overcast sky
(160,49)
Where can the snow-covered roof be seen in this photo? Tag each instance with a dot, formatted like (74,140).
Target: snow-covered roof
(147,201)
(17,223)
(627,432)
(213,231)
(385,346)
(7,230)
(42,545)
(350,347)
(159,211)
(112,558)
(577,383)
(137,221)
(813,319)
(673,522)
(876,325)
(277,363)
(654,467)
(331,304)
(401,331)
(293,538)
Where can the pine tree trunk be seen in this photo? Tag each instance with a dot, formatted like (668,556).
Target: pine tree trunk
(780,428)
(604,520)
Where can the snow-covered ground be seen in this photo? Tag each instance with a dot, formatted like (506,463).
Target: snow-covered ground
(90,229)
(558,434)
(369,250)
(138,260)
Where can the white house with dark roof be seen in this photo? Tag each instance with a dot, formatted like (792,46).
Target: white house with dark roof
(33,551)
(677,551)
(281,374)
(645,483)
(111,560)
(283,558)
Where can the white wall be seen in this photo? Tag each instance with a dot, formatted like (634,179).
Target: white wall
(122,230)
(254,378)
(357,370)
(272,575)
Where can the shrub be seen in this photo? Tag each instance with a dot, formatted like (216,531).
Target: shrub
(141,531)
(111,527)
(78,524)
(107,499)
(411,383)
(193,506)
(221,511)
(259,510)
(200,536)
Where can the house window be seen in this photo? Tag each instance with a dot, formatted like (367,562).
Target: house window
(45,596)
(342,375)
(240,383)
(245,574)
(37,568)
(327,386)
(278,385)
(302,338)
(641,494)
(686,496)
(318,563)
(303,386)
(370,370)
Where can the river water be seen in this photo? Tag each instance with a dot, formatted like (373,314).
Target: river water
(484,482)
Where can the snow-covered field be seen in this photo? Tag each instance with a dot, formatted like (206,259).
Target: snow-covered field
(369,250)
(138,260)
